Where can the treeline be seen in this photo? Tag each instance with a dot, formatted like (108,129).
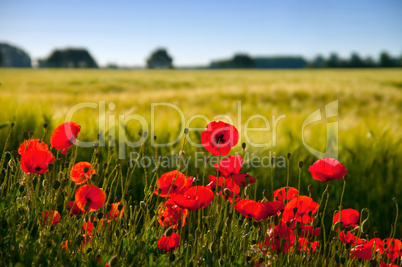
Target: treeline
(242,61)
(11,56)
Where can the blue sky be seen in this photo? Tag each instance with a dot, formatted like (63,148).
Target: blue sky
(196,32)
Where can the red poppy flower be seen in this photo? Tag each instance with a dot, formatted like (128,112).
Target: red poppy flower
(173,182)
(114,212)
(56,218)
(89,197)
(219,138)
(229,167)
(223,184)
(327,169)
(170,214)
(349,238)
(169,243)
(303,205)
(78,174)
(88,226)
(196,197)
(280,237)
(36,161)
(349,218)
(64,136)
(32,144)
(280,193)
(393,248)
(257,210)
(73,208)
(304,244)
(309,231)
(367,249)
(383,264)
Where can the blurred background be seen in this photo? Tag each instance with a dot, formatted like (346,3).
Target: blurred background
(276,57)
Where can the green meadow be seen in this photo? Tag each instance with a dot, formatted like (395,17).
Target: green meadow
(369,121)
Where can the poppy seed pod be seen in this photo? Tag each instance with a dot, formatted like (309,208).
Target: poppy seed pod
(145,134)
(12,125)
(154,137)
(300,164)
(30,134)
(243,145)
(186,131)
(288,155)
(169,232)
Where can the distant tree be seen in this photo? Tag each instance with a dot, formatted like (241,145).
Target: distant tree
(333,61)
(160,59)
(356,61)
(369,62)
(13,57)
(386,61)
(242,61)
(318,62)
(69,58)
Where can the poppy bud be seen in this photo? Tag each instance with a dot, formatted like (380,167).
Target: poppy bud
(56,185)
(345,177)
(87,206)
(172,257)
(310,213)
(243,145)
(265,193)
(21,189)
(139,133)
(169,232)
(300,164)
(30,134)
(94,177)
(365,225)
(12,125)
(11,164)
(310,188)
(154,137)
(143,205)
(288,155)
(96,145)
(316,220)
(117,198)
(25,134)
(295,210)
(227,192)
(86,169)
(186,131)
(272,161)
(228,222)
(14,153)
(336,226)
(181,153)
(113,261)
